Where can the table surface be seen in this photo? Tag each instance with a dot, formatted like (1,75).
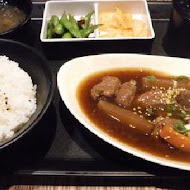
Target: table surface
(72,183)
(76,183)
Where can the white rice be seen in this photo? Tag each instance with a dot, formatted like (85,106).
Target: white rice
(17,97)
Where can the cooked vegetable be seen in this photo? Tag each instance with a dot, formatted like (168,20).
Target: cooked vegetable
(175,138)
(170,107)
(151,78)
(54,20)
(150,82)
(87,31)
(181,115)
(182,78)
(180,127)
(49,33)
(73,22)
(87,19)
(69,27)
(67,35)
(120,23)
(59,29)
(65,21)
(126,117)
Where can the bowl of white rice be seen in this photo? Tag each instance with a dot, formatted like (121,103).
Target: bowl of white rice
(26,89)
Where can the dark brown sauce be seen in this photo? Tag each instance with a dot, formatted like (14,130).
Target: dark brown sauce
(115,129)
(10,17)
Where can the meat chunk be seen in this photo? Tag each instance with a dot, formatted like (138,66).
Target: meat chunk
(160,122)
(126,93)
(108,87)
(153,98)
(183,99)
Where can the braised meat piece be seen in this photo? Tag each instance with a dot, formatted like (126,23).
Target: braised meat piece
(153,98)
(126,93)
(160,122)
(183,99)
(108,87)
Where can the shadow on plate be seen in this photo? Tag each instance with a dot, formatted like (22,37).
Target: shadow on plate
(32,147)
(111,156)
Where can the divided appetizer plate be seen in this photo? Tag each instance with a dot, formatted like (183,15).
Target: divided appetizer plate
(74,71)
(137,9)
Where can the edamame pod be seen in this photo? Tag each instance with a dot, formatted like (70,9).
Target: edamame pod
(65,21)
(49,33)
(73,22)
(87,20)
(75,33)
(86,32)
(54,20)
(67,35)
(59,29)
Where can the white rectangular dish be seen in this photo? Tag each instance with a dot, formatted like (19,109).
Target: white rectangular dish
(138,9)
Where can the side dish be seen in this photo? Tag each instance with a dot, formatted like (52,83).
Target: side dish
(17,98)
(10,17)
(68,27)
(121,24)
(142,108)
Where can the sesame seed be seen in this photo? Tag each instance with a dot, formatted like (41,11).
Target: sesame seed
(130,125)
(168,137)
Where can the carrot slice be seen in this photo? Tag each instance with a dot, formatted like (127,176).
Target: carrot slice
(176,139)
(126,117)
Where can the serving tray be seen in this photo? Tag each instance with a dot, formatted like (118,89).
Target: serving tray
(60,145)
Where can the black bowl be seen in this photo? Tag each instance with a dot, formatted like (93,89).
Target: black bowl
(35,65)
(25,6)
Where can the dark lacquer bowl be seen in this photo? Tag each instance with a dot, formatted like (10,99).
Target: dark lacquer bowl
(35,65)
(25,6)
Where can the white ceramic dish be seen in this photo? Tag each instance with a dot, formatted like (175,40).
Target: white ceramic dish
(74,71)
(79,8)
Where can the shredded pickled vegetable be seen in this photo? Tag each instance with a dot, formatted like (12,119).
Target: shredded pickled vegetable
(121,24)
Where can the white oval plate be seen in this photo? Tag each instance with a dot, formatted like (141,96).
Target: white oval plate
(74,71)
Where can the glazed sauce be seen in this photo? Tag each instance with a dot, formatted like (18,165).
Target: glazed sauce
(10,17)
(117,130)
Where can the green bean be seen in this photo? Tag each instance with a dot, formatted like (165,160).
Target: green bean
(49,33)
(75,33)
(54,20)
(50,24)
(73,22)
(65,21)
(88,19)
(70,24)
(59,29)
(86,32)
(67,35)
